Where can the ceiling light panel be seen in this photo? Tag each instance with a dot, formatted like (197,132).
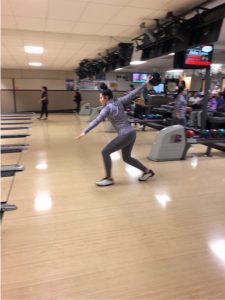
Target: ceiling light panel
(35,64)
(34,49)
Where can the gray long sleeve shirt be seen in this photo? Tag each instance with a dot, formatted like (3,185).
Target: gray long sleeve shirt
(180,106)
(114,110)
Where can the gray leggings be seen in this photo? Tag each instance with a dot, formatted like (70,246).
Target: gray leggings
(125,143)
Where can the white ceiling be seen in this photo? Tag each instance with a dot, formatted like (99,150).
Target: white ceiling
(71,30)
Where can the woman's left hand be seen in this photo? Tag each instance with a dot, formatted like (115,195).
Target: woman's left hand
(80,136)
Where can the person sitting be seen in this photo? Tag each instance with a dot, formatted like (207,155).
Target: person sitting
(195,101)
(221,103)
(195,117)
(139,108)
(212,104)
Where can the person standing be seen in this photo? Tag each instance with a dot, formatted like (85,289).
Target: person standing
(44,103)
(114,110)
(180,107)
(77,99)
(146,98)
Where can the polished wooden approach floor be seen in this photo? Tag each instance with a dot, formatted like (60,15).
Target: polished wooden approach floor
(71,240)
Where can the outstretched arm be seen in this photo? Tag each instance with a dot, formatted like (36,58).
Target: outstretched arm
(102,115)
(132,94)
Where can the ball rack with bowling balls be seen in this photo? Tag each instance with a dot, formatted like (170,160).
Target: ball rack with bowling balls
(213,138)
(146,120)
(212,135)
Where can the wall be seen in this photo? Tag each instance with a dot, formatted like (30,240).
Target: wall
(26,96)
(37,74)
(123,85)
(27,92)
(196,83)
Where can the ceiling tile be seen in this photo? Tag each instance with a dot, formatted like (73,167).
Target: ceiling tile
(76,29)
(112,30)
(148,4)
(86,28)
(51,52)
(130,16)
(6,8)
(35,24)
(53,44)
(8,22)
(131,32)
(66,54)
(96,13)
(12,40)
(33,42)
(58,26)
(18,50)
(65,9)
(34,57)
(112,2)
(50,56)
(73,45)
(28,8)
(183,5)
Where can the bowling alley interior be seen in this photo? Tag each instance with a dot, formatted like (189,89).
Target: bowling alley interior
(112,150)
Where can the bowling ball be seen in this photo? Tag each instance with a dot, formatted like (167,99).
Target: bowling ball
(213,133)
(205,133)
(221,132)
(156,79)
(189,133)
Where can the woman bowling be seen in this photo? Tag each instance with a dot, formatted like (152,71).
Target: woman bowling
(113,109)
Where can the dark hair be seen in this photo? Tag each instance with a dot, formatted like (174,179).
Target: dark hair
(180,89)
(103,86)
(183,83)
(45,88)
(107,93)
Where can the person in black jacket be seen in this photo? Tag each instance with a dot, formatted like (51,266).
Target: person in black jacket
(77,99)
(44,102)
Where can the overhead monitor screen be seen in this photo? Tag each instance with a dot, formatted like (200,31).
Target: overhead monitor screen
(139,77)
(194,58)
